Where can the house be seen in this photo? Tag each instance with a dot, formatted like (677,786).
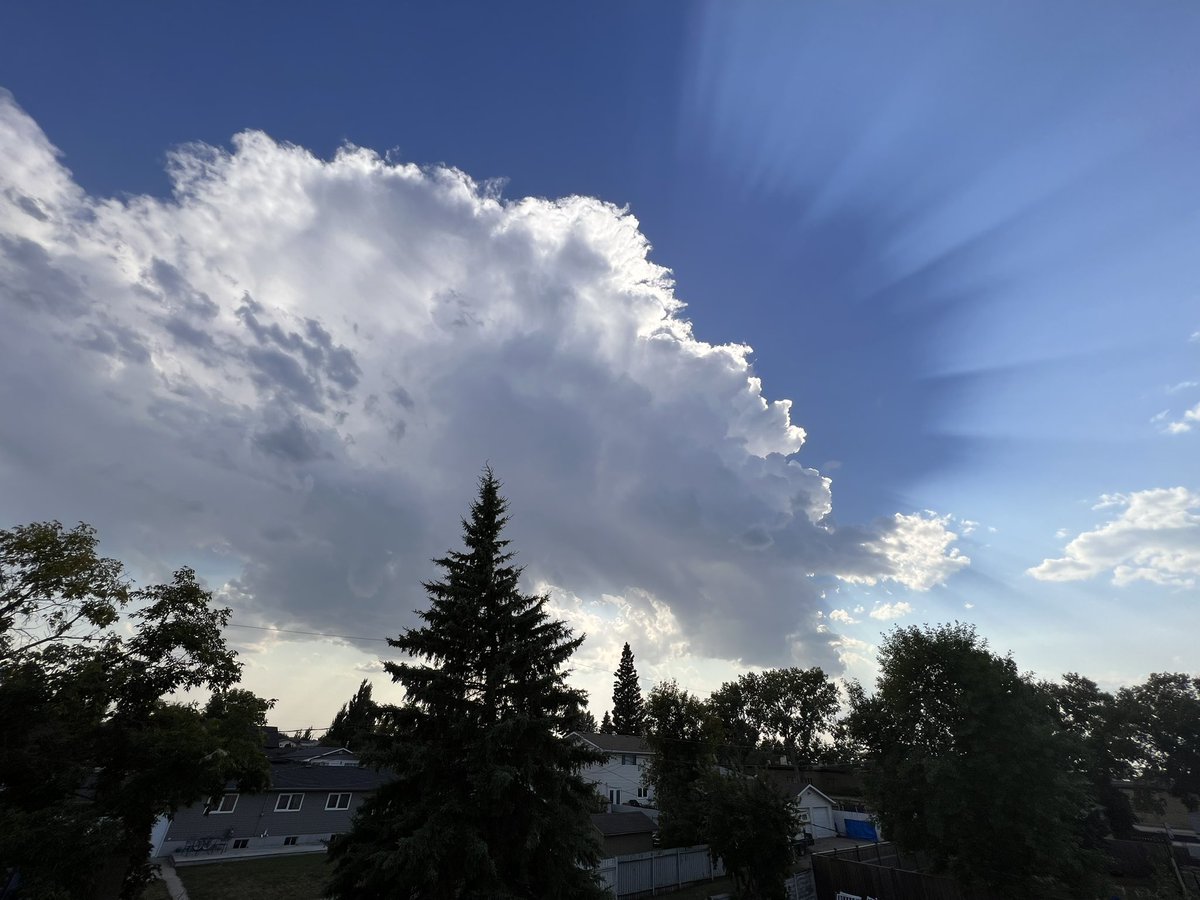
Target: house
(624,832)
(312,796)
(619,778)
(313,756)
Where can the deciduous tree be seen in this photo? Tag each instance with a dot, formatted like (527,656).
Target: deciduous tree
(1107,750)
(355,722)
(1166,711)
(749,825)
(970,767)
(487,800)
(101,750)
(683,737)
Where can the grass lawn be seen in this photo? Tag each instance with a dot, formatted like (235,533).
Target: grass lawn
(302,877)
(278,878)
(156,890)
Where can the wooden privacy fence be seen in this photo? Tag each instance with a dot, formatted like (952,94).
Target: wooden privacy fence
(659,871)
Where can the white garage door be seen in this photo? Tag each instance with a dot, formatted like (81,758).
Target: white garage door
(821,822)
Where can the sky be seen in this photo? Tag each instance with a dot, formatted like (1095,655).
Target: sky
(782,324)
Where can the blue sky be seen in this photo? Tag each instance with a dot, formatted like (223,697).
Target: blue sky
(961,241)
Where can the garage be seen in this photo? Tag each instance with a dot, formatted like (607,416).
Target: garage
(815,812)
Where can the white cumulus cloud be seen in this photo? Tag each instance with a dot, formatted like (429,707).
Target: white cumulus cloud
(290,372)
(842,617)
(887,611)
(1189,420)
(1156,538)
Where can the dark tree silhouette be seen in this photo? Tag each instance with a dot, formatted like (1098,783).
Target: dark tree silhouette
(628,715)
(487,800)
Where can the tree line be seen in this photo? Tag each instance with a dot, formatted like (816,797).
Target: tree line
(991,775)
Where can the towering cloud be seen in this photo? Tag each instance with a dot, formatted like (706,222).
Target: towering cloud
(290,372)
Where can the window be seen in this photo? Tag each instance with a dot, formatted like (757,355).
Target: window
(241,843)
(226,804)
(289,841)
(629,759)
(338,801)
(288,802)
(643,793)
(614,796)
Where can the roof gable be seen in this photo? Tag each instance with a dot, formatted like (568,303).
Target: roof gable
(614,743)
(812,789)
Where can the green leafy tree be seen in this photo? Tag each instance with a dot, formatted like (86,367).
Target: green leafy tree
(628,715)
(683,737)
(749,825)
(606,724)
(1166,711)
(487,800)
(1106,744)
(970,767)
(355,722)
(739,738)
(791,710)
(102,751)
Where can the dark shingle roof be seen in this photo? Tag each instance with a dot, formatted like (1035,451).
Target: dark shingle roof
(613,824)
(327,778)
(303,754)
(615,743)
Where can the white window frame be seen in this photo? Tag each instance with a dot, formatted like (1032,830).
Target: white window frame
(218,808)
(332,804)
(288,806)
(643,793)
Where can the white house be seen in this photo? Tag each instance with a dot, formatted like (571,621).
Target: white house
(619,778)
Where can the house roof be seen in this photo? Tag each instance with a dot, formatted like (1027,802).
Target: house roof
(815,790)
(306,754)
(613,824)
(615,743)
(327,778)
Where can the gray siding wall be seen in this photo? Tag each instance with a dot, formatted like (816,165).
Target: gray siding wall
(255,813)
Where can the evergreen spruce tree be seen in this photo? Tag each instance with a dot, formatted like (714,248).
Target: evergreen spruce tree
(587,723)
(606,725)
(487,800)
(629,716)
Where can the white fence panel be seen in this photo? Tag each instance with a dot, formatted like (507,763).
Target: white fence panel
(667,869)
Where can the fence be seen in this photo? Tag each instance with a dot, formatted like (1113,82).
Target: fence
(658,872)
(878,871)
(801,887)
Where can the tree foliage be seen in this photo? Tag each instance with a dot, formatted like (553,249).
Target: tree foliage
(101,751)
(683,737)
(355,722)
(487,800)
(971,768)
(628,716)
(1105,746)
(748,825)
(587,722)
(782,712)
(1166,718)
(606,724)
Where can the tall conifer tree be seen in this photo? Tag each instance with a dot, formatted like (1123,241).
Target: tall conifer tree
(629,715)
(487,799)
